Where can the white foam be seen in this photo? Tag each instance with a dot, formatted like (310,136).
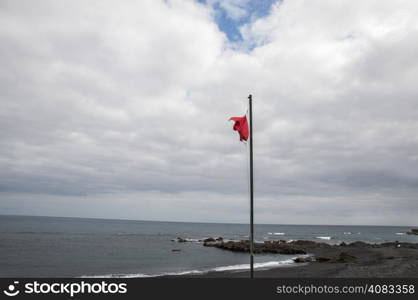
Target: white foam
(140,275)
(264,265)
(400,233)
(227,240)
(348,233)
(193,240)
(279,233)
(323,237)
(177,240)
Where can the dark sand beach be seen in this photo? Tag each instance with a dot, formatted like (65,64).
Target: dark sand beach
(359,260)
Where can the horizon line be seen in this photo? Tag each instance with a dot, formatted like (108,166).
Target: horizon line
(198,222)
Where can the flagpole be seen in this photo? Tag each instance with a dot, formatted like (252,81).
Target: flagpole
(250,109)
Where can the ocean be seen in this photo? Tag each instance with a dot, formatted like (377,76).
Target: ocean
(79,247)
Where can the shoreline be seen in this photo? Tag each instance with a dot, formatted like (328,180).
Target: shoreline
(355,260)
(359,260)
(370,262)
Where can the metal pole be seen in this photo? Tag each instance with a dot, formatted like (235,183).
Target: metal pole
(250,107)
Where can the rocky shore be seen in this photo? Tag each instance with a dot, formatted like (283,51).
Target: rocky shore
(294,247)
(338,252)
(315,259)
(276,247)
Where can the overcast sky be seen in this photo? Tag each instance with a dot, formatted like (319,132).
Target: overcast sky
(119,110)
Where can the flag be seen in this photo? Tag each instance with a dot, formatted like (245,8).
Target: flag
(241,125)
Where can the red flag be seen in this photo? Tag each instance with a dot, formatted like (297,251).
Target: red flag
(241,125)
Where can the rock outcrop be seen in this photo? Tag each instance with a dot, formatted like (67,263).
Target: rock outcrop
(343,257)
(413,232)
(266,247)
(304,259)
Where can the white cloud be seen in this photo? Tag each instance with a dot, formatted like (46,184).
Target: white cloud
(101,102)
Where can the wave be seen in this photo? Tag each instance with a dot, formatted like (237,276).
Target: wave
(202,240)
(264,265)
(400,233)
(241,267)
(194,240)
(324,237)
(181,240)
(140,275)
(276,233)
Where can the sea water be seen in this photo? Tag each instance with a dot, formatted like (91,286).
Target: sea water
(75,247)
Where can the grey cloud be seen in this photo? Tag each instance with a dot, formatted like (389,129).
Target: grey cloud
(102,109)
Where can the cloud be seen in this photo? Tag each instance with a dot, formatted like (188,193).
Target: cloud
(106,108)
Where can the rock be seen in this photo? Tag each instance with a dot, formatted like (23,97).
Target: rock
(210,244)
(175,250)
(278,247)
(309,244)
(301,247)
(211,239)
(413,232)
(287,250)
(304,243)
(359,244)
(266,247)
(303,259)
